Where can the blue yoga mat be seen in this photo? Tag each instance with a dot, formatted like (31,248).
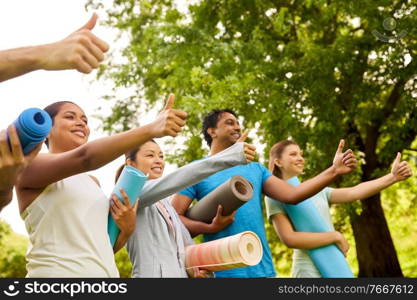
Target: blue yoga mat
(131,180)
(33,126)
(329,260)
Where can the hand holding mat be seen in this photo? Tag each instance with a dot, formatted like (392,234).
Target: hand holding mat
(236,251)
(329,260)
(131,180)
(230,195)
(33,126)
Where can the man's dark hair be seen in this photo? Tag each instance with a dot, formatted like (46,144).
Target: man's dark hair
(211,120)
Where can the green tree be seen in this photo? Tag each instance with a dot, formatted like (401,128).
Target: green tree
(12,256)
(316,71)
(123,263)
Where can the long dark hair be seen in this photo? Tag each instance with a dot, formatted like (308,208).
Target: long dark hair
(53,109)
(276,153)
(132,156)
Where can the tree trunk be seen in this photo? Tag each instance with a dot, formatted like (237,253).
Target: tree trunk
(374,246)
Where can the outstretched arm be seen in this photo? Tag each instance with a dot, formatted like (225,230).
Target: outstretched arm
(49,168)
(81,50)
(188,175)
(343,163)
(400,171)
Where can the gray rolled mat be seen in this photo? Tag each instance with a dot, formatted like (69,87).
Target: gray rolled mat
(231,195)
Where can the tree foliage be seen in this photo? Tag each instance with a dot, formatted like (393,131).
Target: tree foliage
(12,256)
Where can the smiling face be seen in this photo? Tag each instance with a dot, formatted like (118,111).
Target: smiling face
(291,161)
(150,160)
(227,130)
(70,129)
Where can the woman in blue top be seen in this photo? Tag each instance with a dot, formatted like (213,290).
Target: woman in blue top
(286,161)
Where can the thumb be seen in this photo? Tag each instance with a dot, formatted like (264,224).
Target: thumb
(170,102)
(219,210)
(244,136)
(397,159)
(91,23)
(341,146)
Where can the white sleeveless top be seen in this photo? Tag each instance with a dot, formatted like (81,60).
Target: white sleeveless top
(67,227)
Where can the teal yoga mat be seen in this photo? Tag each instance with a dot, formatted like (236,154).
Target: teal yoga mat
(131,180)
(329,260)
(33,126)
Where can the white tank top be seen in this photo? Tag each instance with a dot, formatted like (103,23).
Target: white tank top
(67,227)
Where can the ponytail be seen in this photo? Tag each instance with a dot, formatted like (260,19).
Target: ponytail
(119,172)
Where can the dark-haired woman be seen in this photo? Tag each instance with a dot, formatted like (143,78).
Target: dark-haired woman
(157,247)
(64,209)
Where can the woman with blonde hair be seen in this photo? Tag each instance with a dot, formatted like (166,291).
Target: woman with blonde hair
(286,161)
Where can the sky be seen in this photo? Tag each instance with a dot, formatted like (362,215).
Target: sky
(25,23)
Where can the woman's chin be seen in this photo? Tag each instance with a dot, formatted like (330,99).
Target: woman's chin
(297,172)
(79,142)
(154,176)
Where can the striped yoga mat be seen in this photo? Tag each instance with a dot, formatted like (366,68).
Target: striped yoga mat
(236,251)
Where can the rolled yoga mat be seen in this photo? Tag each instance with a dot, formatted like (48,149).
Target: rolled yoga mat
(231,195)
(329,260)
(236,251)
(131,180)
(33,126)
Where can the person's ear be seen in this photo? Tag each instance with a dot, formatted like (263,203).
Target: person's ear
(212,132)
(131,163)
(277,163)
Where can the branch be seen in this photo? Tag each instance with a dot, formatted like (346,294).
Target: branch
(406,140)
(392,101)
(395,95)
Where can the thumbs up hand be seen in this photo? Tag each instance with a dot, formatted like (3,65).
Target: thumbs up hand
(400,170)
(250,150)
(344,162)
(169,121)
(81,50)
(244,136)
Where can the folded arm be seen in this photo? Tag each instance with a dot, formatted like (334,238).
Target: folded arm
(305,240)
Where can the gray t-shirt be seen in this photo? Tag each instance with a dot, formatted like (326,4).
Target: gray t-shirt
(303,266)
